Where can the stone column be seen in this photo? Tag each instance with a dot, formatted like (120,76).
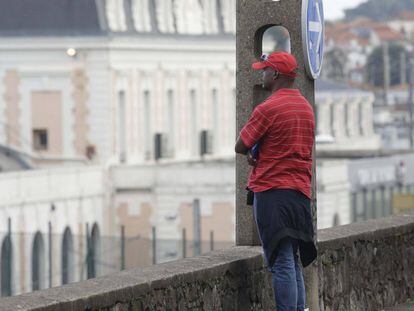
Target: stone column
(253,18)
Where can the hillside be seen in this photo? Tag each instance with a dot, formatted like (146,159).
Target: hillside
(380,9)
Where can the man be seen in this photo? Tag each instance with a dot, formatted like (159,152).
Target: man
(281,133)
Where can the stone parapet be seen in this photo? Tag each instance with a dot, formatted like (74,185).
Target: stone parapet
(362,266)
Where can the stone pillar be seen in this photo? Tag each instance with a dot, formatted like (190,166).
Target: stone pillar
(253,18)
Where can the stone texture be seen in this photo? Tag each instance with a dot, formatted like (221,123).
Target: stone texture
(367,266)
(363,266)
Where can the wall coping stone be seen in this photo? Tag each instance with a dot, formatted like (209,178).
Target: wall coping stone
(123,286)
(376,229)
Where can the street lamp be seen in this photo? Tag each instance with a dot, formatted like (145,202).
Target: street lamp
(71,52)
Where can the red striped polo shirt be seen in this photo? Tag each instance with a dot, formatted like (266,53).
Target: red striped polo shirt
(284,127)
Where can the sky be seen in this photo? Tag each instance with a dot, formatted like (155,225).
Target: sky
(334,8)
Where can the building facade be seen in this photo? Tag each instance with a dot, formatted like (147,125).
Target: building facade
(129,88)
(45,218)
(130,83)
(344,118)
(139,96)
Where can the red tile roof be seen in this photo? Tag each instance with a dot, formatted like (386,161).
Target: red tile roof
(343,33)
(405,15)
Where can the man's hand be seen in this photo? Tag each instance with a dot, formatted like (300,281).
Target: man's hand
(250,159)
(240,147)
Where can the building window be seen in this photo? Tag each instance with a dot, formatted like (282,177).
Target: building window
(147,125)
(68,260)
(336,221)
(194,122)
(6,267)
(216,120)
(40,139)
(170,122)
(38,263)
(94,252)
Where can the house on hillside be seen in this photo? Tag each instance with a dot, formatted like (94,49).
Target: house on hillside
(349,44)
(404,24)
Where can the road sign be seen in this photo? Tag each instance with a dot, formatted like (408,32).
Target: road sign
(313,31)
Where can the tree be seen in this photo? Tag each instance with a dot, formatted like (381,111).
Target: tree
(334,65)
(375,65)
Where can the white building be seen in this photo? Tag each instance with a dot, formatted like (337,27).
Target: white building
(117,80)
(344,118)
(130,86)
(146,91)
(404,24)
(43,221)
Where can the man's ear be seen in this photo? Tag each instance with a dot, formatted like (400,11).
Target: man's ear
(276,75)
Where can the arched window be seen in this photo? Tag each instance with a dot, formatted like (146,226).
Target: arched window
(336,221)
(68,259)
(94,252)
(38,263)
(6,266)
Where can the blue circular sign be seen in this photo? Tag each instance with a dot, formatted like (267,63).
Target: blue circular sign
(313,32)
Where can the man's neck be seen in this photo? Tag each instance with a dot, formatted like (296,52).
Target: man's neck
(283,86)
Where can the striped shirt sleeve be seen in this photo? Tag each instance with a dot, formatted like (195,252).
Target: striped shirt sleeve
(256,127)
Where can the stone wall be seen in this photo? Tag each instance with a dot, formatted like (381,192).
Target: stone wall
(233,279)
(364,266)
(368,265)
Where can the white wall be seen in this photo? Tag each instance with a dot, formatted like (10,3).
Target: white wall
(345,121)
(79,196)
(178,65)
(167,186)
(333,197)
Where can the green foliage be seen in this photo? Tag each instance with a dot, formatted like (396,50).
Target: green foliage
(380,9)
(375,65)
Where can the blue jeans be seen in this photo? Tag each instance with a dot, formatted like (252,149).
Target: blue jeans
(287,279)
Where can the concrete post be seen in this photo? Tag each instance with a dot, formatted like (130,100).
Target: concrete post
(253,18)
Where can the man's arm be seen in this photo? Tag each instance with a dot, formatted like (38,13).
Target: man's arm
(253,131)
(241,147)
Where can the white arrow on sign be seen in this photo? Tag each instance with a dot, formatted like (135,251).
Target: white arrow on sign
(316,26)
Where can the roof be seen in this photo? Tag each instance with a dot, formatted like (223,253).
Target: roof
(405,16)
(12,160)
(114,17)
(385,33)
(360,30)
(49,17)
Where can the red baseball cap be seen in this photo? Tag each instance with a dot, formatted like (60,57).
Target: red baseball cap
(283,62)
